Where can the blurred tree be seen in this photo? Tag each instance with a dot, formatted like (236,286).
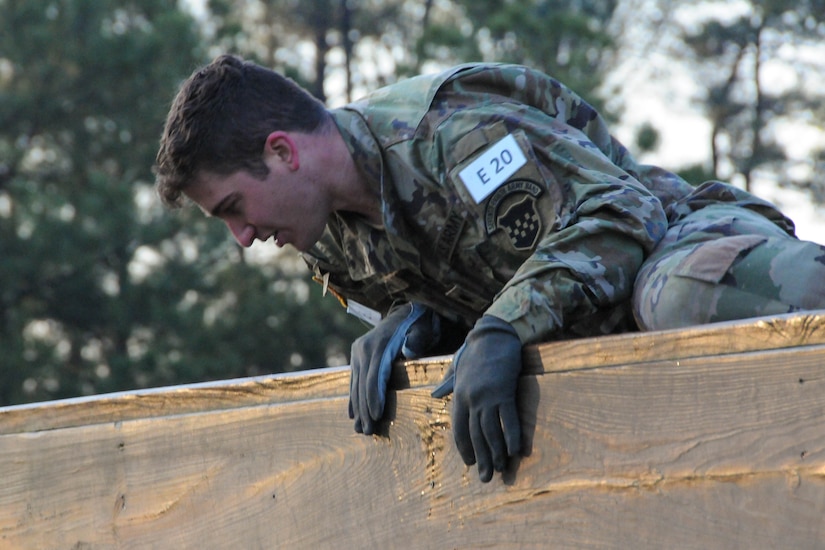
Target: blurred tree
(100,289)
(260,30)
(340,49)
(569,39)
(759,64)
(330,47)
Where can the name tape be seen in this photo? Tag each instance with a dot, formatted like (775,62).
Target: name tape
(489,171)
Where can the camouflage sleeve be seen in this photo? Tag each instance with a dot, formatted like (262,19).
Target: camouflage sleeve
(598,221)
(603,224)
(591,221)
(587,266)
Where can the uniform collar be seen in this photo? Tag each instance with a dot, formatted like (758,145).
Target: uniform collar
(369,158)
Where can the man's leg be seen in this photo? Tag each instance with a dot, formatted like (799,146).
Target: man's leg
(726,278)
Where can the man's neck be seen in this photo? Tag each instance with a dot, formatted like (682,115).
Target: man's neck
(351,189)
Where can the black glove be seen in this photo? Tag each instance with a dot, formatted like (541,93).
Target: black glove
(485,374)
(411,330)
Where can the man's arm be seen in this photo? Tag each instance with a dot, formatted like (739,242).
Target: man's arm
(597,228)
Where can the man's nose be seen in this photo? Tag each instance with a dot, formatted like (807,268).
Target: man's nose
(243,233)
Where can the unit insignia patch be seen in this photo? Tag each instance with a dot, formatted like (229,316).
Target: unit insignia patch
(512,209)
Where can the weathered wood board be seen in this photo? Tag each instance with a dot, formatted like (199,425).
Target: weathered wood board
(715,444)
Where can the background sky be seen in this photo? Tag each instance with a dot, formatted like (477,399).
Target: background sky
(658,88)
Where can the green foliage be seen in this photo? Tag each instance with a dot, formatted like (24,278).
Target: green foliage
(647,138)
(568,40)
(399,38)
(696,174)
(731,55)
(102,290)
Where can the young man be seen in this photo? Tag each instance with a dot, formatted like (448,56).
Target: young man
(488,197)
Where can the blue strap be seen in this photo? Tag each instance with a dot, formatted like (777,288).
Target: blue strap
(393,349)
(447,384)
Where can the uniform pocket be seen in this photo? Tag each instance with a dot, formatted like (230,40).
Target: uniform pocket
(710,261)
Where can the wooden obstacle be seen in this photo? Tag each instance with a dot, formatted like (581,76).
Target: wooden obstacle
(708,437)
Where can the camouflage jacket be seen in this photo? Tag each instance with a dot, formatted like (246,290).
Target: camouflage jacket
(503,192)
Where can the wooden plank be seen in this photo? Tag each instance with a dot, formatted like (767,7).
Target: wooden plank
(117,407)
(725,451)
(765,333)
(209,396)
(749,335)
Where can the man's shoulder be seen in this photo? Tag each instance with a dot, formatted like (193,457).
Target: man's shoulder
(394,112)
(419,91)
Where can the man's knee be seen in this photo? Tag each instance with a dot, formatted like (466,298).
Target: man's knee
(670,301)
(769,277)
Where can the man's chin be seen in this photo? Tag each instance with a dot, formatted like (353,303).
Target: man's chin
(296,246)
(304,245)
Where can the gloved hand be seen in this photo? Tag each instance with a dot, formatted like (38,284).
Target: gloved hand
(409,330)
(485,373)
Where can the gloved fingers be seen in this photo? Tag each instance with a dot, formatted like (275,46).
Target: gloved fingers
(423,334)
(352,394)
(447,384)
(363,407)
(367,426)
(491,429)
(380,366)
(482,450)
(357,423)
(353,398)
(357,394)
(461,433)
(512,428)
(375,385)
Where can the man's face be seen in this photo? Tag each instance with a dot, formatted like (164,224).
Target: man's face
(283,205)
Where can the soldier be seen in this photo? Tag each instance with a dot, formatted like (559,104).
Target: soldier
(487,197)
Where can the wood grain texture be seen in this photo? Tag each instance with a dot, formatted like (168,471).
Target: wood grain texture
(734,337)
(719,451)
(225,394)
(775,332)
(209,396)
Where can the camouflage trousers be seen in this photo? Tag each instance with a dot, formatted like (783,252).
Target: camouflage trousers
(722,263)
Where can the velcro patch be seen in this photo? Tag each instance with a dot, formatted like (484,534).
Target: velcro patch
(513,210)
(450,234)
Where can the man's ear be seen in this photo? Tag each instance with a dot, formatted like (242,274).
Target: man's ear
(281,147)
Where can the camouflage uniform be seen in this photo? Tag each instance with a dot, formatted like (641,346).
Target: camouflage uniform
(719,261)
(504,193)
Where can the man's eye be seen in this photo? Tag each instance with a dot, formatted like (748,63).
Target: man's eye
(229,208)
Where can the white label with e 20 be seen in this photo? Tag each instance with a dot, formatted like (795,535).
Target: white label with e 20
(485,174)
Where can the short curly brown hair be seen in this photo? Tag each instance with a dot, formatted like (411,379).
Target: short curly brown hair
(220,119)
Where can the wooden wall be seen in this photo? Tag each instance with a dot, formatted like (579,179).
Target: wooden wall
(712,437)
